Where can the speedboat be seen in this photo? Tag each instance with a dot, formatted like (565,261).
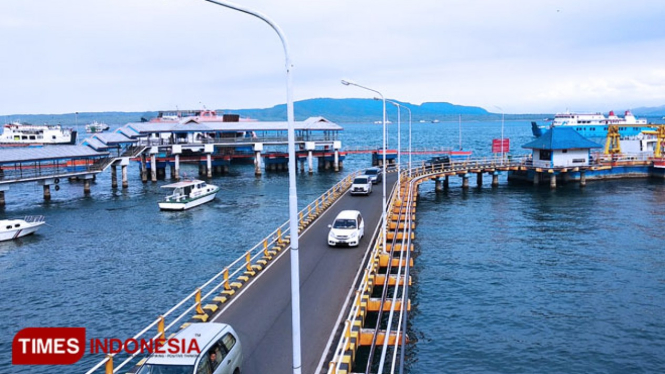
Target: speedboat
(17,228)
(188,194)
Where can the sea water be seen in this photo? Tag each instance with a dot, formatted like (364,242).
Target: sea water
(509,279)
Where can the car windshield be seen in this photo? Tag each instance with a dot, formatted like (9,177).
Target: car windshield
(344,224)
(360,181)
(371,172)
(166,369)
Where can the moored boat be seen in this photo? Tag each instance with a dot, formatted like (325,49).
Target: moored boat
(17,228)
(96,127)
(18,134)
(594,125)
(188,194)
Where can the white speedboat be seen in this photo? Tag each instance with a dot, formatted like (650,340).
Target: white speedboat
(16,228)
(188,194)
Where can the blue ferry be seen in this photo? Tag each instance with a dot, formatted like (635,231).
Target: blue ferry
(594,125)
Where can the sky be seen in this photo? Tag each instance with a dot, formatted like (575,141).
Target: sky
(515,56)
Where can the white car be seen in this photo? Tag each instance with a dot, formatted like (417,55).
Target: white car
(347,229)
(220,352)
(361,185)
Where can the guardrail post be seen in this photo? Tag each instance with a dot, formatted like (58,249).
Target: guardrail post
(226,279)
(199,310)
(248,261)
(317,206)
(160,328)
(265,247)
(108,369)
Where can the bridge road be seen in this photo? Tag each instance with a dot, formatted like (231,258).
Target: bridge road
(261,313)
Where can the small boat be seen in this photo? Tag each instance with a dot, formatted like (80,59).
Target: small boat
(17,228)
(96,127)
(188,194)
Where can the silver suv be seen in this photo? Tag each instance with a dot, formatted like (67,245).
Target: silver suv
(375,175)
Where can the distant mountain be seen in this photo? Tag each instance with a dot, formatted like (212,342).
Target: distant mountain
(360,110)
(652,111)
(336,110)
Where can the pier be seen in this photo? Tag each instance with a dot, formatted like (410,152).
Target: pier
(351,299)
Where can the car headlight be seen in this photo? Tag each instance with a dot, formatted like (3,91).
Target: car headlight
(353,234)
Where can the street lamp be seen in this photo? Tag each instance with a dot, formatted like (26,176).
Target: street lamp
(399,147)
(293,197)
(383,206)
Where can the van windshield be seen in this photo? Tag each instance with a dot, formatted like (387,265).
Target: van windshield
(371,172)
(166,369)
(344,224)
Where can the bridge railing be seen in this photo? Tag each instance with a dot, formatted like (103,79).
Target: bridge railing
(223,285)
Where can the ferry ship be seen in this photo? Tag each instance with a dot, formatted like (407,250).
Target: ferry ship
(201,115)
(18,134)
(594,125)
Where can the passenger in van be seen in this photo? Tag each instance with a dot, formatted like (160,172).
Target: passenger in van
(213,361)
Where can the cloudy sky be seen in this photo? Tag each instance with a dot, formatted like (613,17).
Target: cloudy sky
(525,56)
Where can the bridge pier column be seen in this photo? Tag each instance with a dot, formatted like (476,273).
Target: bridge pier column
(153,167)
(176,149)
(114,177)
(209,165)
(336,146)
(144,170)
(310,162)
(446,182)
(2,198)
(176,168)
(302,165)
(479,179)
(86,183)
(465,181)
(536,178)
(257,164)
(438,185)
(582,178)
(47,192)
(258,148)
(495,179)
(125,182)
(552,180)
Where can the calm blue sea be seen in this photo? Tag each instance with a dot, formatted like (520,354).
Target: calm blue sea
(513,279)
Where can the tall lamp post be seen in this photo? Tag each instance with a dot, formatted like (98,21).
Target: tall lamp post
(293,197)
(399,147)
(383,203)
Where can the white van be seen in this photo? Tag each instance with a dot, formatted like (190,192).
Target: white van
(348,228)
(220,352)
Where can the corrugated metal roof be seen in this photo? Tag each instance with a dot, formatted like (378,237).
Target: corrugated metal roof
(114,138)
(561,138)
(311,124)
(54,152)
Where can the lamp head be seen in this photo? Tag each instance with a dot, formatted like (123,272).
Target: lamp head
(345,82)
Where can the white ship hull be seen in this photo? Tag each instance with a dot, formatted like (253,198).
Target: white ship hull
(18,228)
(187,205)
